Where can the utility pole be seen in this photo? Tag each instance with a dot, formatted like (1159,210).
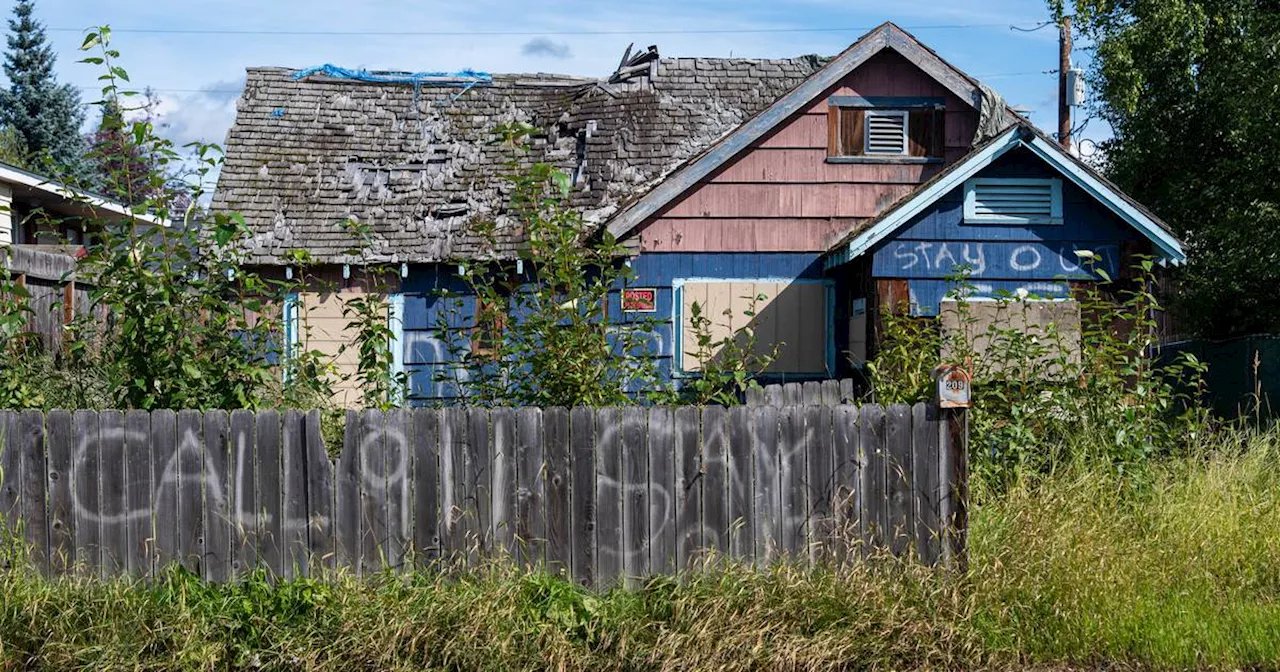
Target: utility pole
(1064,70)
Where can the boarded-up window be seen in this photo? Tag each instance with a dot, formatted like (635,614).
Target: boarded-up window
(791,315)
(1054,324)
(321,326)
(917,132)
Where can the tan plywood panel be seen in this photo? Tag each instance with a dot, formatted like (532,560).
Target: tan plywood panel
(792,316)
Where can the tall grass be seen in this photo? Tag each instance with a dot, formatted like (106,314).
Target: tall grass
(1081,567)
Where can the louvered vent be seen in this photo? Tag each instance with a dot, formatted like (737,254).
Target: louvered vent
(1014,200)
(887,133)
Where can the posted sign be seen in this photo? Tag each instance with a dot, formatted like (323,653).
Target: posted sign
(640,300)
(954,387)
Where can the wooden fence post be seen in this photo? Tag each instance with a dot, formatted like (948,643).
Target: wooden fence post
(954,455)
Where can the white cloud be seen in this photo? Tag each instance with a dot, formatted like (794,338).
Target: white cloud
(542,46)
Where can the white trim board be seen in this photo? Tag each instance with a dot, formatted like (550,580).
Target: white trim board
(16,175)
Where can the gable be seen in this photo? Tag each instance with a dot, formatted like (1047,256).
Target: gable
(783,194)
(935,243)
(1041,150)
(887,37)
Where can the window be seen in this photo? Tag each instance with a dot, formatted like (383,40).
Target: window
(1012,201)
(884,134)
(486,334)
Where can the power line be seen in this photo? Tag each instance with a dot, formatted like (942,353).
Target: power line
(482,33)
(239,91)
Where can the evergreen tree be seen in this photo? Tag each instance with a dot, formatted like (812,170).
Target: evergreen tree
(45,115)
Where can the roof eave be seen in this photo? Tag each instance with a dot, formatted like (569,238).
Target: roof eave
(15,175)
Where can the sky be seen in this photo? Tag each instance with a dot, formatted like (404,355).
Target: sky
(194,53)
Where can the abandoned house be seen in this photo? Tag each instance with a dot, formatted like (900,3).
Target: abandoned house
(834,187)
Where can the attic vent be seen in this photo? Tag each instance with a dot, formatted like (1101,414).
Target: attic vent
(1013,201)
(886,132)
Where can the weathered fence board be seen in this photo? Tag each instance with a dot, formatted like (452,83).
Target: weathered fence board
(662,484)
(531,525)
(740,447)
(899,480)
(84,470)
(715,481)
(608,496)
(62,520)
(347,507)
(268,520)
(115,505)
(138,475)
(873,514)
(765,500)
(244,538)
(426,487)
(635,499)
(688,488)
(293,509)
(504,481)
(217,501)
(185,477)
(555,437)
(846,488)
(582,488)
(163,436)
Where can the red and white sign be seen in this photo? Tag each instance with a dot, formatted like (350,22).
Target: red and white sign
(640,300)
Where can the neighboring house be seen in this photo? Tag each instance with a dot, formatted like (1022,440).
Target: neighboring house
(36,210)
(42,224)
(814,182)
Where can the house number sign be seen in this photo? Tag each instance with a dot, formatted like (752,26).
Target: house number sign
(954,387)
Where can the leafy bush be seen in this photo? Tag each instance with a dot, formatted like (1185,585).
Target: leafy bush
(1045,395)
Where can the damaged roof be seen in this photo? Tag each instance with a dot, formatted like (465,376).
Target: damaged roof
(419,164)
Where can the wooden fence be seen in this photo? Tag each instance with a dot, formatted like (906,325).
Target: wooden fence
(596,494)
(55,296)
(826,392)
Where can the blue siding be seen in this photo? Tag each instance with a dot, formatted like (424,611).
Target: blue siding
(1040,258)
(426,351)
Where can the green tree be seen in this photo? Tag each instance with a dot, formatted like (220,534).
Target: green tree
(44,114)
(1190,88)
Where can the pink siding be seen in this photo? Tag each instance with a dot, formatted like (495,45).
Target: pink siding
(782,196)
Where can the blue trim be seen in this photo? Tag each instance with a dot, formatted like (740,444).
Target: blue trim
(395,320)
(290,331)
(897,102)
(831,327)
(677,329)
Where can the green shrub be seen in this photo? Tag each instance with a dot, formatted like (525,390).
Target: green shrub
(1037,404)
